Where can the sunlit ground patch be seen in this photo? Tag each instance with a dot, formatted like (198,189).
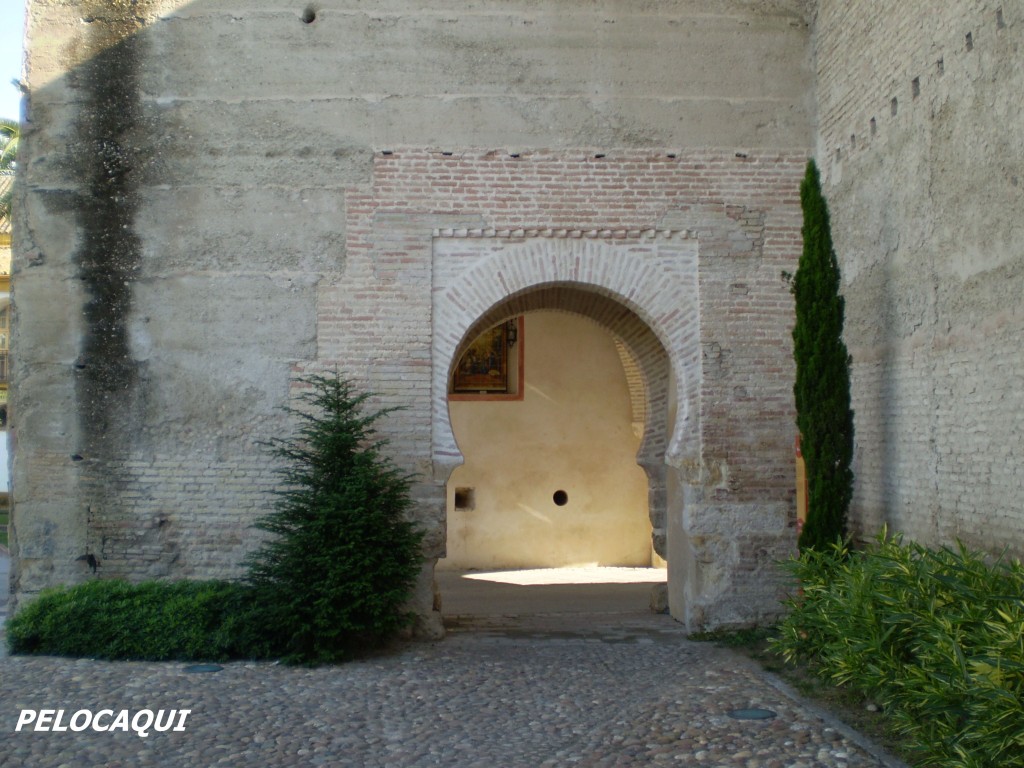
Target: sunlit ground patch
(587,574)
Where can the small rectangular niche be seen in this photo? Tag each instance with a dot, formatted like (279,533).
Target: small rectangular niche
(915,87)
(465,499)
(1000,21)
(894,106)
(969,41)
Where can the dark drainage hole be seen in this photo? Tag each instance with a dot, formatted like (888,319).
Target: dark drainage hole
(755,713)
(561,498)
(308,15)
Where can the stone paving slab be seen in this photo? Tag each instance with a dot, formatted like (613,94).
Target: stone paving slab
(584,592)
(504,692)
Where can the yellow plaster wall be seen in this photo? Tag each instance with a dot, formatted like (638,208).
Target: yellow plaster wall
(571,432)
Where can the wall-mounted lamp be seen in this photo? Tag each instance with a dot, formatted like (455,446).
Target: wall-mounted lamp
(512,331)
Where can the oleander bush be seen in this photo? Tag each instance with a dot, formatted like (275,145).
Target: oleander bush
(936,637)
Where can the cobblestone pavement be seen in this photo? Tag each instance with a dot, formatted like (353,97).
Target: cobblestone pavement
(595,690)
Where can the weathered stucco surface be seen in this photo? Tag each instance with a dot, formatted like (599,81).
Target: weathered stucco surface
(219,197)
(922,140)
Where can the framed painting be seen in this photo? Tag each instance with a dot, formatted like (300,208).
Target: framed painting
(485,369)
(484,366)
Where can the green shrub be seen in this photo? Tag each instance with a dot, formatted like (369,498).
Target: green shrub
(155,621)
(343,558)
(936,637)
(333,578)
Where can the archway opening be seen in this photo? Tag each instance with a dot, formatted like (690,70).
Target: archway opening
(641,287)
(551,510)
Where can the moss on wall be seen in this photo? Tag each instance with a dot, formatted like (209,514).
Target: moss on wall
(109,152)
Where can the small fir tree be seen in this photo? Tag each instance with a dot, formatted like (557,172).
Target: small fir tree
(343,557)
(822,388)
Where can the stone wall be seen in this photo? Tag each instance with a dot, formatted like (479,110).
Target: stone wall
(220,197)
(922,144)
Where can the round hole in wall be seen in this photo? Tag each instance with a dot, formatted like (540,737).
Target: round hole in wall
(308,15)
(561,498)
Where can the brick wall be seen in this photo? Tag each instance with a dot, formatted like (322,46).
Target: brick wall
(922,146)
(680,254)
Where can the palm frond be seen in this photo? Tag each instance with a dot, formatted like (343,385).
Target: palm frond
(10,135)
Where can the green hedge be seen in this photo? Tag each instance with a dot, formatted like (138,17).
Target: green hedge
(934,636)
(155,621)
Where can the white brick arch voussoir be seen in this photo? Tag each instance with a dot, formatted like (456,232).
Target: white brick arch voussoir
(650,276)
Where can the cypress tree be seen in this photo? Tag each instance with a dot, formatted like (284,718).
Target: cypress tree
(822,388)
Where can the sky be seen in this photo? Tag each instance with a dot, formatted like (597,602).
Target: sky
(12,25)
